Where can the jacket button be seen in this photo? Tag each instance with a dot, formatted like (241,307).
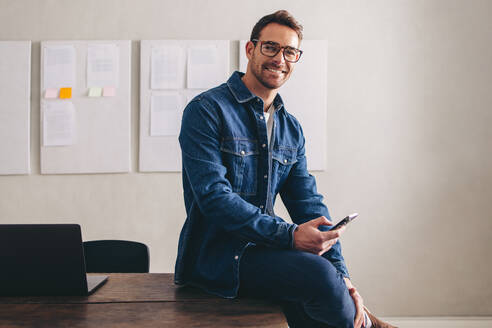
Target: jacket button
(261,206)
(265,176)
(285,161)
(236,257)
(264,145)
(261,117)
(243,152)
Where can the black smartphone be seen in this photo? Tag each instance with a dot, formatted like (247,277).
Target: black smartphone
(345,221)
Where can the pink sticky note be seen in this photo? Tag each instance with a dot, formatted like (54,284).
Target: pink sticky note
(109,92)
(51,93)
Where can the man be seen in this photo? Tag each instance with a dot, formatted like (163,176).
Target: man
(240,148)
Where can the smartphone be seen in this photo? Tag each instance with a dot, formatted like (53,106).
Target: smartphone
(345,221)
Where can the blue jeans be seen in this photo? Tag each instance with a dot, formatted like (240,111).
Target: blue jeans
(309,288)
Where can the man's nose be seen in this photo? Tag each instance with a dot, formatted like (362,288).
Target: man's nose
(279,57)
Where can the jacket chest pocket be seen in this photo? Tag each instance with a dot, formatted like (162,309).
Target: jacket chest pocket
(283,160)
(240,157)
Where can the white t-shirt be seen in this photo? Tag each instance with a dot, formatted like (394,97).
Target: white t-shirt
(269,121)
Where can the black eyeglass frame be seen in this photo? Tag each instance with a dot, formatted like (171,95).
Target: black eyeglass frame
(255,41)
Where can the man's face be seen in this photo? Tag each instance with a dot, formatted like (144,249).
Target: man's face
(272,72)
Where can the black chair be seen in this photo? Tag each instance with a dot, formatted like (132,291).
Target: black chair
(116,256)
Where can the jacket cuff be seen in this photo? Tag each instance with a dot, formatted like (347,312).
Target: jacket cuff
(292,229)
(340,266)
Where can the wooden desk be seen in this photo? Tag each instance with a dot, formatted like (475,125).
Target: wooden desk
(139,300)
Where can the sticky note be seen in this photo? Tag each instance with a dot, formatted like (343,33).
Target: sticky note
(109,92)
(95,92)
(65,93)
(51,93)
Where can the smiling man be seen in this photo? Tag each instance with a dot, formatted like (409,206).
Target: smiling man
(240,149)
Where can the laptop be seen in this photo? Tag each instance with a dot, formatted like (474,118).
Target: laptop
(44,260)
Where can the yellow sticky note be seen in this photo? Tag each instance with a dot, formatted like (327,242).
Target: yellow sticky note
(65,93)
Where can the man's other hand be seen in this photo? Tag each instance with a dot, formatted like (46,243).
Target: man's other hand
(360,319)
(308,238)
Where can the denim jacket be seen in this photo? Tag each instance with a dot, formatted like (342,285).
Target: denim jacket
(231,177)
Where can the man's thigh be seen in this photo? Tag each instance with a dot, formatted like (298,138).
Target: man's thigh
(289,275)
(312,293)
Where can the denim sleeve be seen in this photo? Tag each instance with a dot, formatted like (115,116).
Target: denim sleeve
(304,203)
(202,161)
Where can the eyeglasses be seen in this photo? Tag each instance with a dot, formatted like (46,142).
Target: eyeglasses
(271,49)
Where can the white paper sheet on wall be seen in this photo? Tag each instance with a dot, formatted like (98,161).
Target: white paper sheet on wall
(204,67)
(243,59)
(165,114)
(59,66)
(167,67)
(15,107)
(58,123)
(102,65)
(159,149)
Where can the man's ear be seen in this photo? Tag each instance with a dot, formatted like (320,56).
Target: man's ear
(250,48)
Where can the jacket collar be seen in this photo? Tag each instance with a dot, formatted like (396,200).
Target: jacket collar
(238,89)
(242,94)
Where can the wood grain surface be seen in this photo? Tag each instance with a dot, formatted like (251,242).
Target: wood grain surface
(139,300)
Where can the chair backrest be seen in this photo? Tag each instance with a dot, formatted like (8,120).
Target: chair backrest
(116,256)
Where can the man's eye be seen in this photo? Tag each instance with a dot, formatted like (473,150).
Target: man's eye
(290,52)
(270,47)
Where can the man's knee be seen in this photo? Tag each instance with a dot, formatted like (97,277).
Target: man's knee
(341,316)
(332,305)
(345,315)
(328,285)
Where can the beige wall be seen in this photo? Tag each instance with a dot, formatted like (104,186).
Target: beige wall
(409,104)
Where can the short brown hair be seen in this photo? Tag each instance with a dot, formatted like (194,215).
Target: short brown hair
(282,17)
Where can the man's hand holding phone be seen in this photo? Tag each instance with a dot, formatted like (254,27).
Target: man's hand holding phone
(308,238)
